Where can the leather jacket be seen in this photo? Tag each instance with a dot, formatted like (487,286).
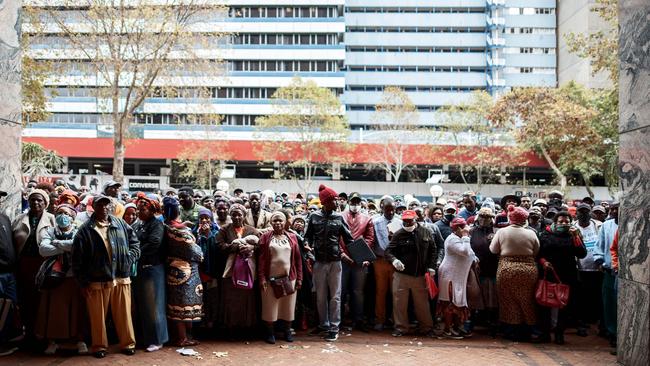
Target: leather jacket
(416,250)
(323,233)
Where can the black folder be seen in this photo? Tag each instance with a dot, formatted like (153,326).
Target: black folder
(360,252)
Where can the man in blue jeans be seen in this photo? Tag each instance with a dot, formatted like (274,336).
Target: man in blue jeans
(10,329)
(325,229)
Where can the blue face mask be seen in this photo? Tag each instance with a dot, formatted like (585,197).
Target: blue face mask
(63,221)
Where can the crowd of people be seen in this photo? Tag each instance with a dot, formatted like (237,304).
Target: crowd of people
(178,266)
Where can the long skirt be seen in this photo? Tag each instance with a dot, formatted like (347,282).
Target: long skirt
(283,308)
(62,312)
(240,306)
(28,294)
(148,293)
(516,281)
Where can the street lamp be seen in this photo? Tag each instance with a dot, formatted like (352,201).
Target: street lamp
(436,192)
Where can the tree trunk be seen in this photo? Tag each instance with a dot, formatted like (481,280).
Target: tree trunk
(556,170)
(462,175)
(118,154)
(588,185)
(479,178)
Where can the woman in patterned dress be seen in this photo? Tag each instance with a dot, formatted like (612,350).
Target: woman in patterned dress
(184,288)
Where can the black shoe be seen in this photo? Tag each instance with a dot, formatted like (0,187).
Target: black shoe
(99,354)
(288,334)
(129,351)
(540,338)
(318,331)
(332,336)
(270,335)
(559,338)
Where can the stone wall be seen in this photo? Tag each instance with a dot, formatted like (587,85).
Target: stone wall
(634,165)
(10,126)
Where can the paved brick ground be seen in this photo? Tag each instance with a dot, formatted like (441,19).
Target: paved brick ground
(357,349)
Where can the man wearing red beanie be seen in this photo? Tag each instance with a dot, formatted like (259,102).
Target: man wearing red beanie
(325,230)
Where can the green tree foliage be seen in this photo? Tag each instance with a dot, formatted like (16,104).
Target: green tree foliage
(551,123)
(38,161)
(306,132)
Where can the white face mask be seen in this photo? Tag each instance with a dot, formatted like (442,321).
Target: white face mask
(409,229)
(354,209)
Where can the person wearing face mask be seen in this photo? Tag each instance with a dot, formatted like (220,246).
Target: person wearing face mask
(454,270)
(353,278)
(61,312)
(444,224)
(28,230)
(603,259)
(560,245)
(480,238)
(412,252)
(591,279)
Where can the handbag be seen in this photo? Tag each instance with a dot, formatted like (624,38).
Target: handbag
(551,294)
(51,272)
(281,286)
(432,288)
(242,275)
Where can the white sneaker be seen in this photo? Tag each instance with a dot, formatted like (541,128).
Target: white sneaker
(82,349)
(51,348)
(154,347)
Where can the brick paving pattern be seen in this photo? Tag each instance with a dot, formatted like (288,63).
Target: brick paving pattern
(356,349)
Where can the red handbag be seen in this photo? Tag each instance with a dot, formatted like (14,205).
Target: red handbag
(432,288)
(550,294)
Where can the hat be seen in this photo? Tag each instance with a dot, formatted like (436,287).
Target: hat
(599,208)
(469,194)
(101,198)
(486,211)
(298,217)
(489,203)
(455,223)
(441,202)
(399,204)
(556,194)
(535,211)
(46,196)
(540,201)
(414,200)
(507,197)
(409,215)
(205,212)
(588,200)
(187,190)
(583,205)
(238,190)
(517,215)
(110,183)
(130,205)
(326,194)
(170,189)
(343,195)
(354,195)
(449,206)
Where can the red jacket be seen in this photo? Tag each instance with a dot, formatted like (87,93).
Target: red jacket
(360,227)
(264,260)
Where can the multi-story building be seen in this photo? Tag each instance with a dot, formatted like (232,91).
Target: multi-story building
(438,51)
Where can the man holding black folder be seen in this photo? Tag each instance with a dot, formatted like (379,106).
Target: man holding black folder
(355,269)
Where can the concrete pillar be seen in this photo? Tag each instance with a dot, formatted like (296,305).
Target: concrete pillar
(634,168)
(336,171)
(10,106)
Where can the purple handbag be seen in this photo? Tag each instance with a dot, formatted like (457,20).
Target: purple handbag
(242,275)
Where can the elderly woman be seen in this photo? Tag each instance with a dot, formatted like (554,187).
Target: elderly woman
(517,247)
(28,230)
(239,305)
(62,311)
(280,276)
(480,238)
(452,279)
(206,234)
(148,287)
(560,245)
(184,288)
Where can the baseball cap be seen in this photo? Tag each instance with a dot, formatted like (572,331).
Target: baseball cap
(111,183)
(409,215)
(101,198)
(599,208)
(354,195)
(583,205)
(540,201)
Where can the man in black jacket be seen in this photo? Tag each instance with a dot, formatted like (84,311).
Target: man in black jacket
(412,251)
(9,327)
(104,252)
(325,229)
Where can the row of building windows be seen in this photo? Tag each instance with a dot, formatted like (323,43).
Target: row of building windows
(282,12)
(426,68)
(406,29)
(371,108)
(271,65)
(413,49)
(155,119)
(412,88)
(528,30)
(532,50)
(286,39)
(530,11)
(414,9)
(530,70)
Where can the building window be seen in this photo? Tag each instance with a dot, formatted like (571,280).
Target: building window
(525,70)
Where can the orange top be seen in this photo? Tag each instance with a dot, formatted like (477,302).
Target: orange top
(613,250)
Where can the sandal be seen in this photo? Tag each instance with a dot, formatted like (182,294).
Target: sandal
(187,343)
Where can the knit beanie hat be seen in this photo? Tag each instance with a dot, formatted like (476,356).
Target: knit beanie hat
(326,194)
(517,215)
(45,195)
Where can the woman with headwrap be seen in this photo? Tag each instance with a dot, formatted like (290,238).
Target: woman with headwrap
(28,230)
(239,305)
(206,234)
(280,261)
(61,316)
(184,288)
(148,287)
